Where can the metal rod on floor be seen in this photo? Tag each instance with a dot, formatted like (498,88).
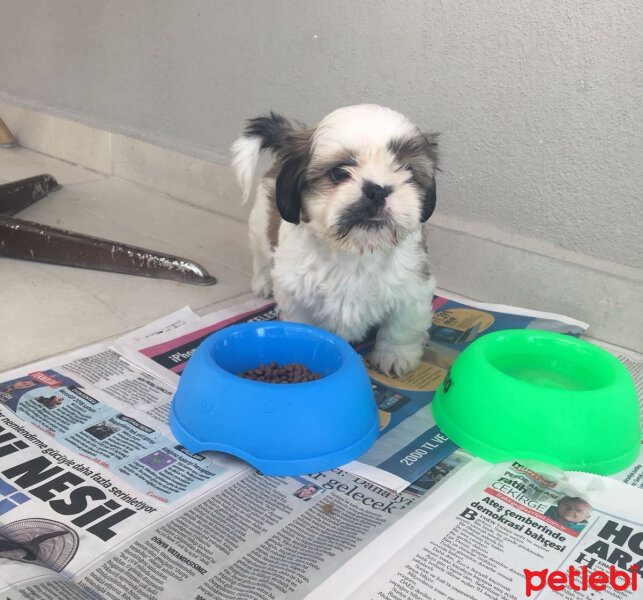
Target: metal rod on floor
(33,241)
(16,195)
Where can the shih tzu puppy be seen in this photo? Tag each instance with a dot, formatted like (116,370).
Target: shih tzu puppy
(338,227)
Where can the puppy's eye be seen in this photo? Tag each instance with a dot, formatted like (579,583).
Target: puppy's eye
(406,167)
(339,174)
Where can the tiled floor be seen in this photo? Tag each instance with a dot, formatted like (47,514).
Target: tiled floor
(46,309)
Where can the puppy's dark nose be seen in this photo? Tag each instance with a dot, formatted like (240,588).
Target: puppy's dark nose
(376,193)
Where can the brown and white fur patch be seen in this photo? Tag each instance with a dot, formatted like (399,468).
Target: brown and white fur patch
(338,227)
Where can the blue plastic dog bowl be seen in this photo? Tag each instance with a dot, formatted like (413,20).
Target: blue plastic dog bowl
(281,429)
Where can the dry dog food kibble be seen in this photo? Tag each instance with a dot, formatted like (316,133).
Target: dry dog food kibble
(274,373)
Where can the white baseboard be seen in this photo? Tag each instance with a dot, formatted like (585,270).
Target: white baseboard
(470,258)
(201,182)
(491,269)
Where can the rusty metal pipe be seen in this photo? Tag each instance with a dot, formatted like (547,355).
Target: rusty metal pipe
(33,241)
(16,195)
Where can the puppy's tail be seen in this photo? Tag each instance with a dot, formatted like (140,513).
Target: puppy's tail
(262,133)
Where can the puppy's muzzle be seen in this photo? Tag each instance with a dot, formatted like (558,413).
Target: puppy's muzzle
(369,212)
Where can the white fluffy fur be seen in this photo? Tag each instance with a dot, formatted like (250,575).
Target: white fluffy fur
(245,153)
(372,278)
(365,127)
(262,255)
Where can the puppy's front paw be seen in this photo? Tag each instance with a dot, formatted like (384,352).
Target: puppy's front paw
(261,286)
(395,361)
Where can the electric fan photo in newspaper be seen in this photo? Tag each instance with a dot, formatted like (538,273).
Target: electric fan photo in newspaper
(40,542)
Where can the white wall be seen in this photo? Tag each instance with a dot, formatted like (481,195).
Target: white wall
(536,101)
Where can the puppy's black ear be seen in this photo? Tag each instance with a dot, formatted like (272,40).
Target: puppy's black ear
(290,181)
(428,206)
(431,151)
(288,190)
(430,147)
(420,152)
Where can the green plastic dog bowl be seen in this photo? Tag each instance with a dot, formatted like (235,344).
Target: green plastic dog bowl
(537,395)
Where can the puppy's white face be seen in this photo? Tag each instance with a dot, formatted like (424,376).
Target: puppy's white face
(367,179)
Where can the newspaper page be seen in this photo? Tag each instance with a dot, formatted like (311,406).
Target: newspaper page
(513,531)
(231,534)
(85,460)
(166,354)
(173,322)
(90,480)
(255,537)
(409,443)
